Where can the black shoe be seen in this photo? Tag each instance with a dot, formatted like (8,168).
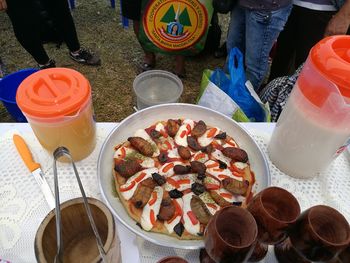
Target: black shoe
(2,69)
(86,57)
(50,64)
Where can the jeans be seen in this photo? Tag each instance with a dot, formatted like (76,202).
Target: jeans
(254,33)
(304,28)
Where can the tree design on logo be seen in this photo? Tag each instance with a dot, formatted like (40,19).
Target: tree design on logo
(184,18)
(169,15)
(176,21)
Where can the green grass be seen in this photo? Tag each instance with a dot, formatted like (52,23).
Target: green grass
(99,28)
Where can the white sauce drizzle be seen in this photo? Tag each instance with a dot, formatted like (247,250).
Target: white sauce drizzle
(202,159)
(217,172)
(192,229)
(218,155)
(169,172)
(170,226)
(183,140)
(146,212)
(204,140)
(240,165)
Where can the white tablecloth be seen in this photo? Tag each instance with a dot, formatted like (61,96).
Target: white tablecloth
(22,208)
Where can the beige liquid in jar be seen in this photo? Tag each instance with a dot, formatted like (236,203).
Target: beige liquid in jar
(77,134)
(303,143)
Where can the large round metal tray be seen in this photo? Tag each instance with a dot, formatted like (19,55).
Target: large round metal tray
(149,116)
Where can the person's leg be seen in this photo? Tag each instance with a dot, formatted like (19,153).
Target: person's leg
(310,29)
(262,29)
(63,20)
(180,66)
(236,32)
(26,28)
(284,57)
(60,12)
(149,61)
(132,10)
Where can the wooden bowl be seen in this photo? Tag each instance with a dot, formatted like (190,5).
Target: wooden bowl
(172,259)
(79,243)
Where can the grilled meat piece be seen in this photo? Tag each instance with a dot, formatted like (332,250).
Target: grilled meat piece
(222,165)
(163,157)
(193,144)
(197,188)
(167,209)
(154,134)
(208,149)
(172,127)
(198,167)
(175,194)
(219,199)
(236,154)
(184,152)
(128,168)
(143,146)
(201,177)
(179,229)
(199,129)
(159,179)
(200,210)
(221,136)
(180,169)
(235,187)
(143,193)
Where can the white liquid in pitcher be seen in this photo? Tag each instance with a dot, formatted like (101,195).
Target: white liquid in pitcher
(304,143)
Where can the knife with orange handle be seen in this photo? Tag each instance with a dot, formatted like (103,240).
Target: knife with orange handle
(34,168)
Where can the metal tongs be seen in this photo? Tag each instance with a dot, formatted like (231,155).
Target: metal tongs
(59,152)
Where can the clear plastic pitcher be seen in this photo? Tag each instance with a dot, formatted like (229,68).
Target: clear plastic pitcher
(57,104)
(314,127)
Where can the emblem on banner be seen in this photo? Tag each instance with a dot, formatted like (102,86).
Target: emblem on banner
(175,25)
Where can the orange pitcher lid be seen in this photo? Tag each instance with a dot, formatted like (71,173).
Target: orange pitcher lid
(331,56)
(54,92)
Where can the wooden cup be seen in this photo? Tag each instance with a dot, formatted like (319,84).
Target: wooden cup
(79,243)
(172,259)
(230,235)
(320,234)
(275,210)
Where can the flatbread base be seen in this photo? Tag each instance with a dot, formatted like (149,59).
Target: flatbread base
(135,213)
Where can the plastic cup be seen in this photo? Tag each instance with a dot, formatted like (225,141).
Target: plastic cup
(8,89)
(58,106)
(155,87)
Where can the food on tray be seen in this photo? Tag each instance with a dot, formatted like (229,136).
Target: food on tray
(174,175)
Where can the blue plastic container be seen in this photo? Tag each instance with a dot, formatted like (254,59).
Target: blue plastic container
(8,89)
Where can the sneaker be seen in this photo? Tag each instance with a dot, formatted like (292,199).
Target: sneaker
(50,64)
(85,56)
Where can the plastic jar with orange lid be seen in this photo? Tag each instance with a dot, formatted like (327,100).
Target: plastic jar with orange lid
(314,127)
(58,106)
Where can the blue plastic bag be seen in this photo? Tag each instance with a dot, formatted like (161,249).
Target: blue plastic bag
(235,87)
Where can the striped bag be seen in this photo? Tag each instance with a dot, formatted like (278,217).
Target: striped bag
(277,92)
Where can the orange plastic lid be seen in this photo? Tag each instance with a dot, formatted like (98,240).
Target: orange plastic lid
(331,56)
(51,93)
